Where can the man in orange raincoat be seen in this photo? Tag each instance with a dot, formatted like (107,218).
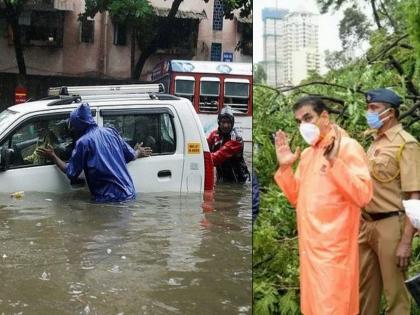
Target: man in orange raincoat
(328,189)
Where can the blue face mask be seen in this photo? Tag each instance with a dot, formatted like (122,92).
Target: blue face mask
(374,119)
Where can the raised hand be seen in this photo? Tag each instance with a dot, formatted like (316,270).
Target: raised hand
(285,156)
(47,152)
(143,151)
(331,151)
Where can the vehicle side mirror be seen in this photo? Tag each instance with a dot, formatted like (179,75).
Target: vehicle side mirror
(5,154)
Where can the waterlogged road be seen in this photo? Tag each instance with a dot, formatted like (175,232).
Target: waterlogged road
(162,254)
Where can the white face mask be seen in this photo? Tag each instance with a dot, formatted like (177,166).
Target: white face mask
(310,132)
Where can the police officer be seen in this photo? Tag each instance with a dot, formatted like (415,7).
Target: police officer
(385,233)
(227,147)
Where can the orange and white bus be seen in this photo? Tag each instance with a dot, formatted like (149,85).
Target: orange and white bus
(210,85)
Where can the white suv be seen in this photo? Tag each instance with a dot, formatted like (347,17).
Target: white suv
(181,161)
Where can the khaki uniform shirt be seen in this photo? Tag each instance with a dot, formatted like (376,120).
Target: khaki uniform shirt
(384,164)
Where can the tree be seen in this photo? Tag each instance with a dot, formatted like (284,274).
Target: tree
(354,28)
(335,60)
(154,32)
(12,11)
(260,76)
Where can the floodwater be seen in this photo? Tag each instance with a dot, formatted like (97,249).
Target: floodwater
(162,254)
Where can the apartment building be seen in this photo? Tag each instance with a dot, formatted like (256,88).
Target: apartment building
(56,42)
(290,46)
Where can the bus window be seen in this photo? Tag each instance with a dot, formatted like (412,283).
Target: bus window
(209,94)
(237,94)
(184,87)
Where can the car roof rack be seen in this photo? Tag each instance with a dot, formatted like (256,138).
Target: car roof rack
(65,100)
(106,89)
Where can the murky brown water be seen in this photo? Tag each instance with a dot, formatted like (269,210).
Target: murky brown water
(60,254)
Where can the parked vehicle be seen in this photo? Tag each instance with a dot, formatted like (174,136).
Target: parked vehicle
(181,161)
(210,85)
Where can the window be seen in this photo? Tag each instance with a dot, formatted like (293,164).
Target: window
(39,132)
(237,94)
(6,117)
(42,28)
(155,130)
(3,25)
(216,52)
(209,94)
(218,15)
(87,32)
(184,87)
(120,34)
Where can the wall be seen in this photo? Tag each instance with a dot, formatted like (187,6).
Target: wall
(38,85)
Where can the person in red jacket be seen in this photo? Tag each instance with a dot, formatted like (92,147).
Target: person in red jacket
(226,147)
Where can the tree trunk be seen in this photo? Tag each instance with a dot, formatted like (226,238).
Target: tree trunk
(154,44)
(133,50)
(140,63)
(12,16)
(20,59)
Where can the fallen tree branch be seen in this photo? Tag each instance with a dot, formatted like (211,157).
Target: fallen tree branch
(406,46)
(388,16)
(407,78)
(375,14)
(394,44)
(332,99)
(268,258)
(320,83)
(413,121)
(410,112)
(283,287)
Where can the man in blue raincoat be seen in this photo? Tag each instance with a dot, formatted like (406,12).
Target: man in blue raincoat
(102,154)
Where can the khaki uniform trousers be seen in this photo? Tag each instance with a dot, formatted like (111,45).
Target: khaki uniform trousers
(378,241)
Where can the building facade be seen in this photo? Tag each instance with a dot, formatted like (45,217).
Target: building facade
(56,42)
(290,46)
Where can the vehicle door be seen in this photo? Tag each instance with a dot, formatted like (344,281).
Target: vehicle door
(160,129)
(27,170)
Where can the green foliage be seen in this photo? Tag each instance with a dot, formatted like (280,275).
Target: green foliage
(275,256)
(411,10)
(130,12)
(259,75)
(335,60)
(16,4)
(354,27)
(267,298)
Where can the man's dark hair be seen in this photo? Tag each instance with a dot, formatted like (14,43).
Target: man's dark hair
(396,110)
(315,102)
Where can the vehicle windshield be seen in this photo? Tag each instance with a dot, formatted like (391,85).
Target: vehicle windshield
(6,117)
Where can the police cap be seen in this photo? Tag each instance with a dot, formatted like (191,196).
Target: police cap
(383,96)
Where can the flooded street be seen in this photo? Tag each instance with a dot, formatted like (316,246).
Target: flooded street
(162,254)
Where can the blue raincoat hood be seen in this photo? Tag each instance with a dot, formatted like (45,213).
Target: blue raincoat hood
(81,118)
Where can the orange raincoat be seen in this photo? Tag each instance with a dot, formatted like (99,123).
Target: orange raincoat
(328,201)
